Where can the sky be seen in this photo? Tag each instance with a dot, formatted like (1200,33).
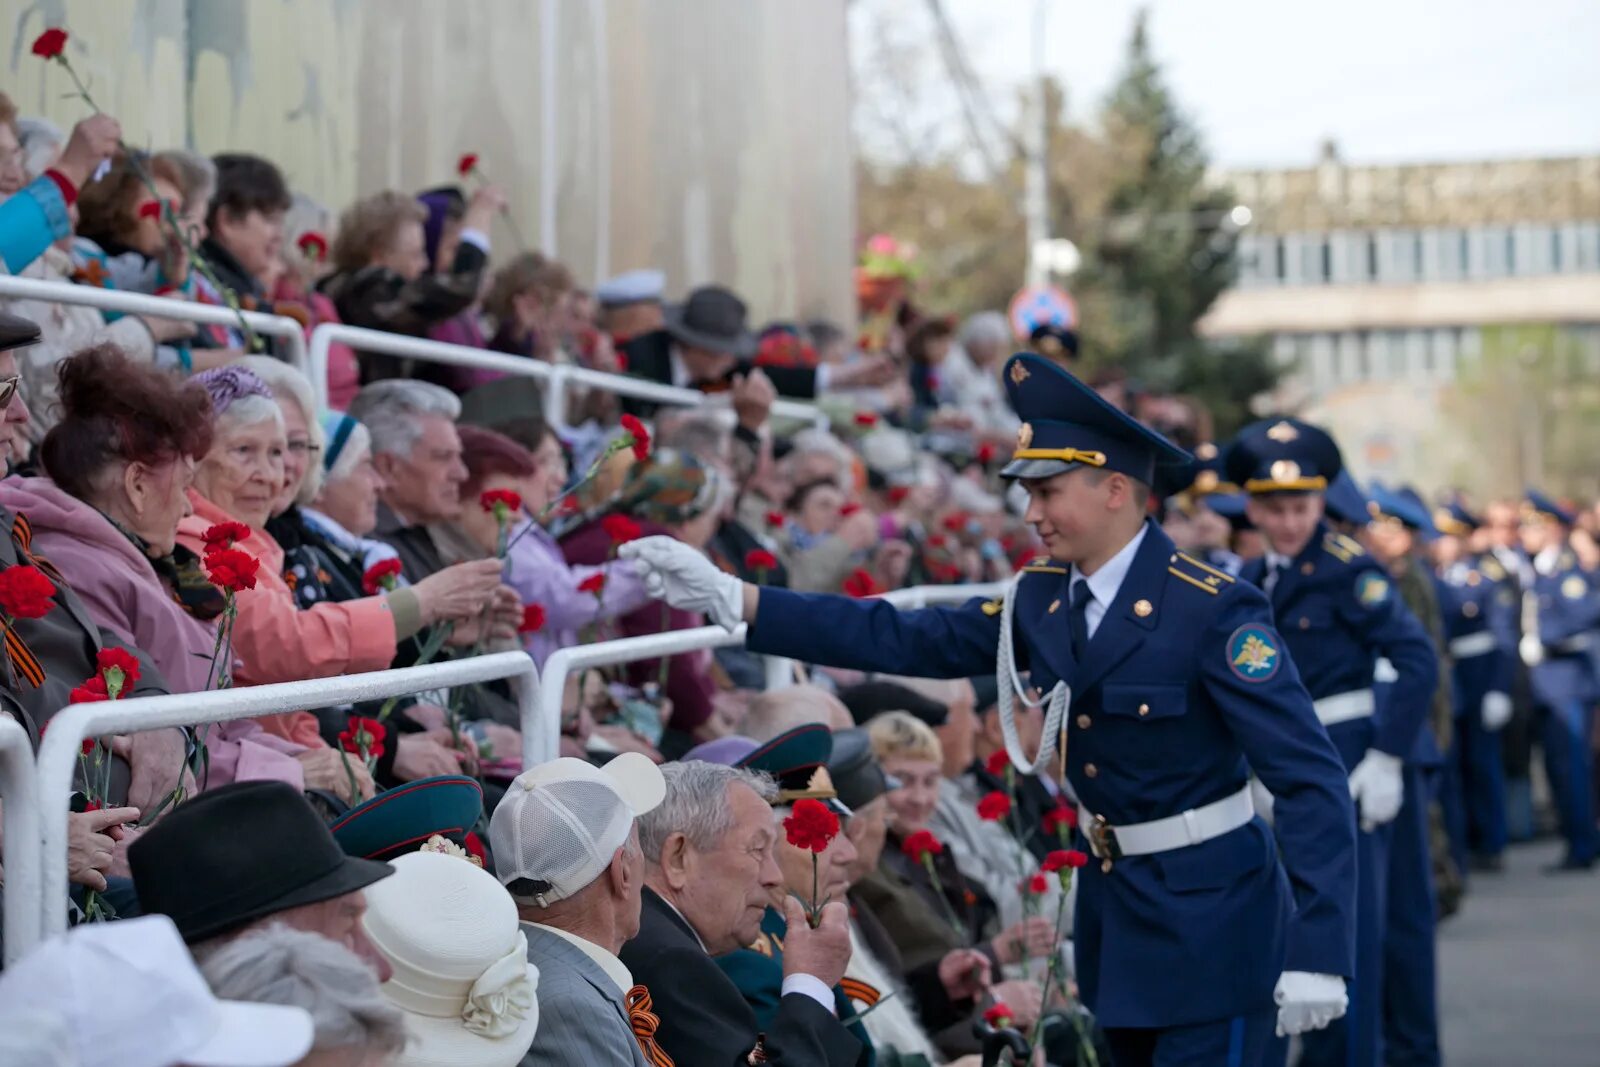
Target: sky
(1269,80)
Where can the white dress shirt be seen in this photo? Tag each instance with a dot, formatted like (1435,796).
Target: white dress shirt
(615,969)
(1104,583)
(1276,565)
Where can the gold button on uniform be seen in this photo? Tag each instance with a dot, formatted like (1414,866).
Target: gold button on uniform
(1105,866)
(1144,709)
(1307,568)
(1305,623)
(1091,770)
(1469,609)
(1083,722)
(1055,606)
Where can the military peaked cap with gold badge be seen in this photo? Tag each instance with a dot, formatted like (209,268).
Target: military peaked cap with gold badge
(1345,502)
(1067,425)
(1454,520)
(1283,456)
(798,760)
(1400,505)
(1538,505)
(1053,341)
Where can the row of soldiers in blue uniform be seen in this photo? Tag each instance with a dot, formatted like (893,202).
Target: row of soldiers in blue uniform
(1429,578)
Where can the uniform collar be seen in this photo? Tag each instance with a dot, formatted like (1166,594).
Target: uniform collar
(1548,559)
(613,967)
(1105,582)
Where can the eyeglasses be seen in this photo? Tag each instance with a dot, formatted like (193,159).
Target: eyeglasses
(8,389)
(304,448)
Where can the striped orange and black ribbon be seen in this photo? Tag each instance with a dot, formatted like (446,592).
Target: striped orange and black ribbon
(860,992)
(17,651)
(644,1023)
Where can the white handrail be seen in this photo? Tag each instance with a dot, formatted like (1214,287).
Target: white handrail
(652,646)
(19,791)
(557,377)
(165,307)
(58,754)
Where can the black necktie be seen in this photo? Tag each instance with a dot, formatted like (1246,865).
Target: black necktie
(1078,618)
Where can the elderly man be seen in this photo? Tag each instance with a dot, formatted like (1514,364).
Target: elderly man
(710,871)
(242,856)
(567,849)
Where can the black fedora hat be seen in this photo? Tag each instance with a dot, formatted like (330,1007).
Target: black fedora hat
(712,318)
(240,853)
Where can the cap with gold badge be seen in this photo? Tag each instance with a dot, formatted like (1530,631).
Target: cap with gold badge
(1283,456)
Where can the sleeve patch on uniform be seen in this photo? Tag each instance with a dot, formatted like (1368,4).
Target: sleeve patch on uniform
(1253,652)
(1372,589)
(1574,587)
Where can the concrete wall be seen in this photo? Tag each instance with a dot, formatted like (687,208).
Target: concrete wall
(710,139)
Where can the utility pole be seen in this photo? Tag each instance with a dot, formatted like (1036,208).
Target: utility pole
(1036,190)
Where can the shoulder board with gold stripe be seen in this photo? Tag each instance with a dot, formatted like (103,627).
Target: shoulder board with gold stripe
(1491,567)
(1197,574)
(1342,548)
(1207,568)
(1043,565)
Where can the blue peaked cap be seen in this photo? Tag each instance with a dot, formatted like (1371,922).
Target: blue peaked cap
(1283,456)
(1401,506)
(1547,506)
(1067,425)
(1455,520)
(1345,501)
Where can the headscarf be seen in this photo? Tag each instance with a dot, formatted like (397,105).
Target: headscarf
(338,427)
(442,204)
(228,385)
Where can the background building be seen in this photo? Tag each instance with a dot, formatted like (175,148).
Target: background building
(1443,318)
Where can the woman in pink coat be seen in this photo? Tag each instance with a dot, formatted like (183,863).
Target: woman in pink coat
(119,461)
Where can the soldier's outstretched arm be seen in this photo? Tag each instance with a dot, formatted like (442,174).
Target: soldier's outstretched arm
(1375,610)
(1248,673)
(819,628)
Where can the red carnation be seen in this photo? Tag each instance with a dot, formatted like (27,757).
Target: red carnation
(986,452)
(50,44)
(88,742)
(811,826)
(640,435)
(866,419)
(364,734)
(759,559)
(621,529)
(467,163)
(1058,818)
(775,519)
(492,500)
(313,246)
(89,692)
(956,521)
(150,209)
(922,844)
(593,584)
(898,494)
(998,1016)
(1037,884)
(25,592)
(231,569)
(384,574)
(1063,859)
(860,584)
(225,535)
(125,663)
(994,806)
(847,510)
(998,762)
(937,540)
(532,619)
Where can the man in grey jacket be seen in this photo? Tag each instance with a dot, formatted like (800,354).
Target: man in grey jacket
(567,850)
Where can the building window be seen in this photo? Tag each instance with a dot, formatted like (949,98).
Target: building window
(1371,259)
(1279,259)
(1511,252)
(1555,250)
(1325,260)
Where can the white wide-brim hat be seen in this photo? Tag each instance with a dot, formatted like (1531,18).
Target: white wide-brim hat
(461,970)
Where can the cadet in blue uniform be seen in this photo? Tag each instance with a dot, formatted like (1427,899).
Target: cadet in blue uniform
(1561,612)
(1410,963)
(797,760)
(1188,516)
(1166,682)
(1335,607)
(1481,626)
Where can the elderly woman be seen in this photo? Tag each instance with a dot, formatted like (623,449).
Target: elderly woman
(119,463)
(312,583)
(353,1024)
(924,919)
(382,278)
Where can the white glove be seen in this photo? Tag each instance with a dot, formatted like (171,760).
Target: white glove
(1308,1001)
(684,578)
(1496,711)
(1532,649)
(1377,786)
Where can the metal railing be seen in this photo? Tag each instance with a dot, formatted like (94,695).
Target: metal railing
(556,378)
(45,895)
(19,793)
(165,307)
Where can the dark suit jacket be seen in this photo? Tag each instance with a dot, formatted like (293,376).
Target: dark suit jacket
(705,1021)
(650,356)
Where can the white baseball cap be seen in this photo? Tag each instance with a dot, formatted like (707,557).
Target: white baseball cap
(562,821)
(128,994)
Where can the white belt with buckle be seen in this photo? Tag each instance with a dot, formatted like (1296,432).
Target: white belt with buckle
(1479,644)
(1342,707)
(1163,835)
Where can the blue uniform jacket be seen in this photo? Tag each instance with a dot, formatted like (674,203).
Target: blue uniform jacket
(1477,596)
(758,972)
(1567,601)
(1183,682)
(1339,612)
